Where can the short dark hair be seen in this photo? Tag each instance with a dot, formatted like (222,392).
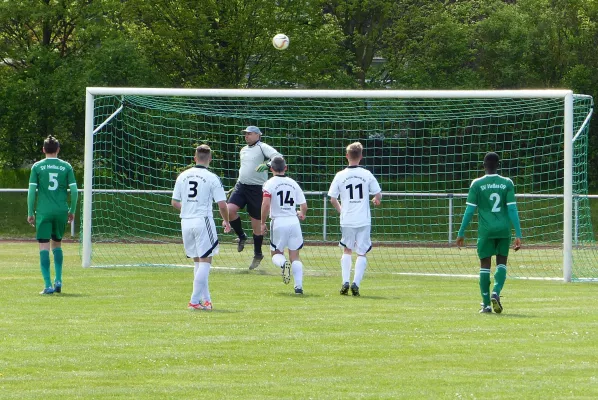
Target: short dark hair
(202,152)
(51,144)
(491,161)
(278,164)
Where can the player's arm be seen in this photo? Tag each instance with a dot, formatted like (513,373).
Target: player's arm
(377,198)
(336,204)
(222,207)
(31,193)
(266,202)
(269,152)
(514,217)
(176,195)
(469,211)
(74,198)
(74,194)
(176,204)
(302,211)
(376,190)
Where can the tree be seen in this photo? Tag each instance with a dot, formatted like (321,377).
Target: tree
(51,51)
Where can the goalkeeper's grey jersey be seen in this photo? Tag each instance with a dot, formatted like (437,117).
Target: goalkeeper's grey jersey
(251,157)
(354,185)
(197,188)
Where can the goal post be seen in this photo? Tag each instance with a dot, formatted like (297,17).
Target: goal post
(425,147)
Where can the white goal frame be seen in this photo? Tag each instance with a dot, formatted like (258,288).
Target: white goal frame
(566,95)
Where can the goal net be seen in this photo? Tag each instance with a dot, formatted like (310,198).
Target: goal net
(425,148)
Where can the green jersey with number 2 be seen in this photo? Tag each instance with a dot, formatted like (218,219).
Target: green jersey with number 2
(491,194)
(52,176)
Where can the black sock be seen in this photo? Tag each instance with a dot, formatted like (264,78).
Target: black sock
(257,244)
(237,227)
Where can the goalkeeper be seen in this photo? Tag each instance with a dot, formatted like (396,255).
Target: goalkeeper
(494,197)
(248,190)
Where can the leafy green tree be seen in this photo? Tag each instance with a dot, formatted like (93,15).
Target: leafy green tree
(50,51)
(228,44)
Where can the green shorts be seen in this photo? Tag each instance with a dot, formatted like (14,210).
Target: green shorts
(50,226)
(488,247)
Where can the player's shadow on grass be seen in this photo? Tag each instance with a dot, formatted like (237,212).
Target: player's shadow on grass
(217,311)
(298,296)
(59,295)
(368,297)
(255,272)
(510,315)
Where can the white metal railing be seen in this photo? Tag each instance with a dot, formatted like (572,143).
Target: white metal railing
(325,201)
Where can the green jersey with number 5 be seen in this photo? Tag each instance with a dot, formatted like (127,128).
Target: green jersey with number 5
(491,194)
(52,177)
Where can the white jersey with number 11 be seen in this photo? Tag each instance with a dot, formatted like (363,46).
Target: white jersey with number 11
(354,185)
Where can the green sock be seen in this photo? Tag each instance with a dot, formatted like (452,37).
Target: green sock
(485,285)
(58,257)
(44,263)
(500,276)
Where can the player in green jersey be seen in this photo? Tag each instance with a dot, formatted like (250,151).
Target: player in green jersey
(50,178)
(494,197)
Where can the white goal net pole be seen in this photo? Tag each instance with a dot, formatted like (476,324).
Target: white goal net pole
(568,190)
(87,181)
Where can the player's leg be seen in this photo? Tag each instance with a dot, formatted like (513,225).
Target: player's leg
(201,243)
(58,226)
(258,238)
(43,233)
(295,244)
(297,268)
(363,246)
(486,249)
(500,275)
(201,279)
(44,263)
(56,246)
(236,202)
(254,209)
(347,243)
(346,265)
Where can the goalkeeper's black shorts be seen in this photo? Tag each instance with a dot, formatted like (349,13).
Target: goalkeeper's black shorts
(250,196)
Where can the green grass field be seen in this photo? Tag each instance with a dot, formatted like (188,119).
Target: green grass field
(126,333)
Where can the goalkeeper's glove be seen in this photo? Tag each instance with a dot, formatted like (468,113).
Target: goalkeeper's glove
(261,168)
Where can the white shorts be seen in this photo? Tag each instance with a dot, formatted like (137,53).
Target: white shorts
(199,237)
(357,239)
(283,235)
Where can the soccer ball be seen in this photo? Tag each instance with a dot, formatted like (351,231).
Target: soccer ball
(280,41)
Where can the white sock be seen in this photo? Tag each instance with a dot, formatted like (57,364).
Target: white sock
(201,291)
(360,265)
(346,267)
(195,288)
(297,268)
(279,260)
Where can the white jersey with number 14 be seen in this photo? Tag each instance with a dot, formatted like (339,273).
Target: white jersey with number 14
(286,195)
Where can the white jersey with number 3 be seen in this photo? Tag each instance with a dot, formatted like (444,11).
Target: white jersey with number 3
(197,188)
(354,185)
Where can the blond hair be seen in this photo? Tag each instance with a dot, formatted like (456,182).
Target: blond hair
(354,151)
